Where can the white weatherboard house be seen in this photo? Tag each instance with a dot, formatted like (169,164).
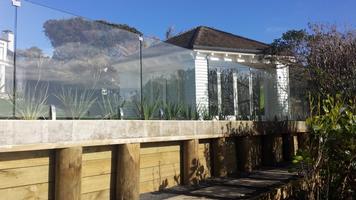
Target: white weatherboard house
(225,74)
(6,50)
(246,86)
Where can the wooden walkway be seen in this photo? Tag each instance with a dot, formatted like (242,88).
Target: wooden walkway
(251,186)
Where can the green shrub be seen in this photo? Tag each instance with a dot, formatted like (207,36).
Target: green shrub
(331,152)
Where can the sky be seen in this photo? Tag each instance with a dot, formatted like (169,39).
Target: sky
(257,19)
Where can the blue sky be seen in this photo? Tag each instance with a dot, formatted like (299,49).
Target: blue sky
(261,20)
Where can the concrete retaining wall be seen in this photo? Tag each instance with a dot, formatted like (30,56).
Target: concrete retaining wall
(121,159)
(18,135)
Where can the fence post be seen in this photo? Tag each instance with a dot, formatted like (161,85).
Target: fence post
(128,172)
(52,112)
(68,173)
(191,161)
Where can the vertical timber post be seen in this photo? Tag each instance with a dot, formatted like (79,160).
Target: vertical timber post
(289,147)
(244,153)
(190,161)
(219,157)
(272,146)
(128,172)
(68,173)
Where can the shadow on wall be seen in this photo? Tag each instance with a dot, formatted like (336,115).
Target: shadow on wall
(197,172)
(165,182)
(267,143)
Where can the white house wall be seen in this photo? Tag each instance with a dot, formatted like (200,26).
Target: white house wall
(3,56)
(201,82)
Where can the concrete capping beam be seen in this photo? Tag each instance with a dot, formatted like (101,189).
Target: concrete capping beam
(23,135)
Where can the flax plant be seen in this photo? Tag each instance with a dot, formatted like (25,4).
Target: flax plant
(110,106)
(147,109)
(30,104)
(76,103)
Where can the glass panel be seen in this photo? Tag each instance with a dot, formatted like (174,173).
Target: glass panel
(227,70)
(256,81)
(168,80)
(86,69)
(7,21)
(299,103)
(258,100)
(265,99)
(227,92)
(213,92)
(243,91)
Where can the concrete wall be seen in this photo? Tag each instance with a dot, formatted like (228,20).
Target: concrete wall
(45,134)
(30,173)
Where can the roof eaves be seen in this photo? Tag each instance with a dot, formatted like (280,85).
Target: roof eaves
(197,47)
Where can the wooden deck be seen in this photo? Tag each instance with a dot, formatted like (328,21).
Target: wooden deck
(256,185)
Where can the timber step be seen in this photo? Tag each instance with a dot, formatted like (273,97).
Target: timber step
(255,185)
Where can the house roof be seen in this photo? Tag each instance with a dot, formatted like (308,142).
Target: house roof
(206,38)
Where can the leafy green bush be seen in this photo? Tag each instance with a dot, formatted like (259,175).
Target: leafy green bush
(331,151)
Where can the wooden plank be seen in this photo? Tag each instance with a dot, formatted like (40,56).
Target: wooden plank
(37,191)
(68,174)
(96,183)
(164,158)
(156,172)
(96,167)
(98,153)
(99,195)
(25,176)
(25,159)
(128,172)
(153,148)
(158,184)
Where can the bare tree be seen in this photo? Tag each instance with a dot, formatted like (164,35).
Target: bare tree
(170,32)
(322,57)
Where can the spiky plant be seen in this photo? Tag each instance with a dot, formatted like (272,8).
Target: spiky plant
(189,112)
(147,109)
(172,111)
(30,104)
(76,103)
(110,105)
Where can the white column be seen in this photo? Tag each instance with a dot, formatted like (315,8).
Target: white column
(283,90)
(201,82)
(236,96)
(2,78)
(218,83)
(250,84)
(3,60)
